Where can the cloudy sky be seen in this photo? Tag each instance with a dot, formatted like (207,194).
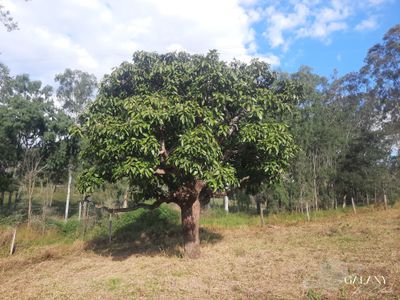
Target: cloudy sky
(96,35)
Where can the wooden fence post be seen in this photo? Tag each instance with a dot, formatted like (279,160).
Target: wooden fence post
(353,204)
(80,211)
(226,203)
(385,201)
(110,229)
(261,213)
(12,248)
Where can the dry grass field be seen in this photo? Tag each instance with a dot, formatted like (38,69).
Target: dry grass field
(282,260)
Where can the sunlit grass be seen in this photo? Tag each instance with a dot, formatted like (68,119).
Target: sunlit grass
(220,218)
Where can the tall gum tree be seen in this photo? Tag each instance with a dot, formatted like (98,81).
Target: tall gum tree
(75,90)
(181,127)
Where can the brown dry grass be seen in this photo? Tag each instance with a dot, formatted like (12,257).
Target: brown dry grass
(308,260)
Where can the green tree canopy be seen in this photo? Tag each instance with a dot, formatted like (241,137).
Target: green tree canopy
(76,88)
(181,126)
(382,75)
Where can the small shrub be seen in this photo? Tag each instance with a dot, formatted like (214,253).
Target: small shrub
(66,229)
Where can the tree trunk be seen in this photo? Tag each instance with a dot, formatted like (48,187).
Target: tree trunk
(110,229)
(44,210)
(315,182)
(84,210)
(10,200)
(354,205)
(344,201)
(68,192)
(385,200)
(84,216)
(301,198)
(226,203)
(126,197)
(2,199)
(17,198)
(31,186)
(259,204)
(80,210)
(308,213)
(52,191)
(190,229)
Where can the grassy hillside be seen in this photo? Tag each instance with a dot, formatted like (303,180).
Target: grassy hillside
(288,258)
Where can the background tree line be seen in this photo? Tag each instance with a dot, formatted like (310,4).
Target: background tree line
(35,144)
(348,132)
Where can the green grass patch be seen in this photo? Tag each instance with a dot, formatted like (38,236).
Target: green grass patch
(70,228)
(113,283)
(222,219)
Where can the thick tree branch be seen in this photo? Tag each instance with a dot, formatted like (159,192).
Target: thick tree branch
(228,154)
(244,179)
(219,194)
(163,151)
(135,207)
(160,171)
(233,124)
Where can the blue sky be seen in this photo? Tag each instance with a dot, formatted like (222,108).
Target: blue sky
(344,48)
(96,35)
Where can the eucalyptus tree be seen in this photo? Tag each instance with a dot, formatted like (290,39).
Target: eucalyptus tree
(5,82)
(7,20)
(316,129)
(75,91)
(59,148)
(369,101)
(180,127)
(381,73)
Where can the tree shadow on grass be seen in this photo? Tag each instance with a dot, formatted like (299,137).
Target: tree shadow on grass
(147,233)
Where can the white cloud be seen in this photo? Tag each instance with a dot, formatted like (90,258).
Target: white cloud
(271,59)
(367,24)
(175,47)
(376,2)
(307,19)
(280,22)
(96,35)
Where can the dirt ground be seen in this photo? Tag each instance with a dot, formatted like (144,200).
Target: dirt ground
(348,257)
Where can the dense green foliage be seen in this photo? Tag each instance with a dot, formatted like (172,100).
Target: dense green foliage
(165,121)
(190,117)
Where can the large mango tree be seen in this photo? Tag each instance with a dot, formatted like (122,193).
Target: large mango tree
(180,127)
